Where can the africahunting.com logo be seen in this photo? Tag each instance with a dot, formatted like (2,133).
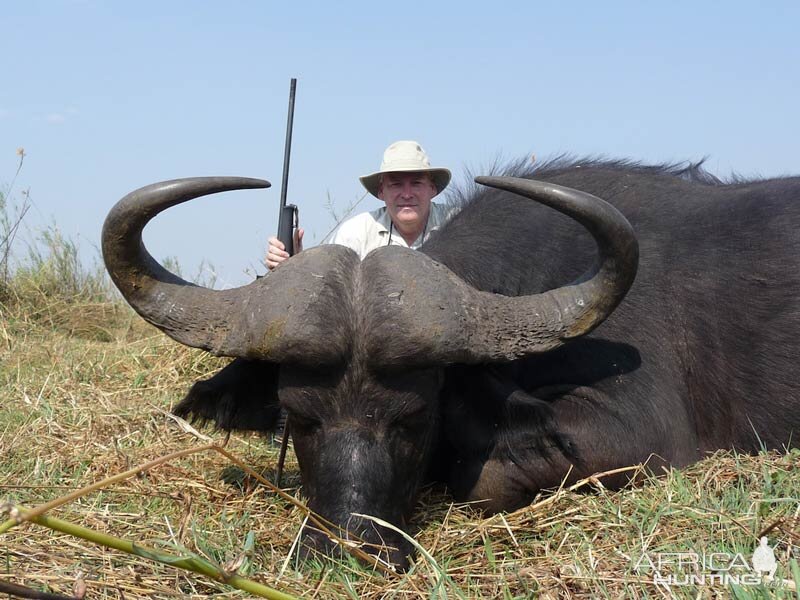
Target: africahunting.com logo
(709,568)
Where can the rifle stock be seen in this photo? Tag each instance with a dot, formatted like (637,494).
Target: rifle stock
(287,221)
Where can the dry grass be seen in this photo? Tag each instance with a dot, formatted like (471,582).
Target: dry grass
(84,392)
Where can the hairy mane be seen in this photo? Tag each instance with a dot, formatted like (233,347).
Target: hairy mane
(693,171)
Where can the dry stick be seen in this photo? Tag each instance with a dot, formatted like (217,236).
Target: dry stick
(195,564)
(318,521)
(26,592)
(26,486)
(768,528)
(322,580)
(43,508)
(577,485)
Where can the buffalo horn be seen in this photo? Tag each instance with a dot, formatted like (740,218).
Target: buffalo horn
(448,321)
(550,318)
(267,319)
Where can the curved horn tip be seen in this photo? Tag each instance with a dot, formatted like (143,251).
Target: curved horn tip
(217,184)
(494,181)
(246,182)
(258,183)
(233,183)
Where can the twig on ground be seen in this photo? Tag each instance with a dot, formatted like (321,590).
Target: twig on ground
(195,564)
(43,508)
(21,591)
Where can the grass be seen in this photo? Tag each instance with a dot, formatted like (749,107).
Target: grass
(85,388)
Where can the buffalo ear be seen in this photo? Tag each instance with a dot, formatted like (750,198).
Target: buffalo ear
(243,395)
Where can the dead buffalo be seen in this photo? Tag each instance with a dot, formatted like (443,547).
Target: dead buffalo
(470,362)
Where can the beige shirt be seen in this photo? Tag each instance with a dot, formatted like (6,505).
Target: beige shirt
(370,230)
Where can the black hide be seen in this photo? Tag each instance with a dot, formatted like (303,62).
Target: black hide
(701,354)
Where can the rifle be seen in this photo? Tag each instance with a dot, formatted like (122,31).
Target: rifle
(288,215)
(287,222)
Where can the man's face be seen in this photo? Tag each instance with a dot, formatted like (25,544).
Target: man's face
(408,198)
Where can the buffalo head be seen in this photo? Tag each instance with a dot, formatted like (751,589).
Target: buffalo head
(356,349)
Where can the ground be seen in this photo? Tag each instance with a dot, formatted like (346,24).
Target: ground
(85,393)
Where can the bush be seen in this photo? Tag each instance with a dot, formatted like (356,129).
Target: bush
(50,286)
(53,270)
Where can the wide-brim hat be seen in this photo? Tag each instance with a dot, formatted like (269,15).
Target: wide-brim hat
(406,156)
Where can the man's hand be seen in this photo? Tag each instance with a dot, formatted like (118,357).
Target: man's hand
(276,251)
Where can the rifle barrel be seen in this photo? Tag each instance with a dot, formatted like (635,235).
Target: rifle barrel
(288,148)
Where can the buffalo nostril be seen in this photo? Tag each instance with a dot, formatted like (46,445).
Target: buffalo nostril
(386,545)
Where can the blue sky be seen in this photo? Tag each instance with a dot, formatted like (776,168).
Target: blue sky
(106,97)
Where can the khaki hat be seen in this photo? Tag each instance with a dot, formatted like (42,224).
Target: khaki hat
(406,156)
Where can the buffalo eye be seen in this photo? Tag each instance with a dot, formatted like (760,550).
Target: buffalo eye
(303,424)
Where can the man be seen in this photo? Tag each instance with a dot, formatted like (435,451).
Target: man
(407,183)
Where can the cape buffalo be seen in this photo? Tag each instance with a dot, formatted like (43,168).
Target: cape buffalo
(469,362)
